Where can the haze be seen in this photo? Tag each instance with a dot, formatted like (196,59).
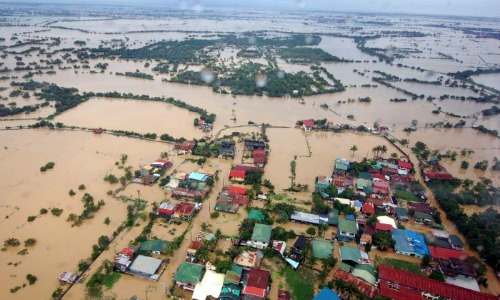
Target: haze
(480,8)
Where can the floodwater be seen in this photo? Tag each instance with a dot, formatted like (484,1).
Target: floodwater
(80,158)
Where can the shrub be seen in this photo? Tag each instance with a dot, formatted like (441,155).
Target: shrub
(31,218)
(29,242)
(214,215)
(56,211)
(31,279)
(11,242)
(81,187)
(311,231)
(71,193)
(43,211)
(47,166)
(107,221)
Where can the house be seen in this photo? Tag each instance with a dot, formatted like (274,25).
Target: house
(350,255)
(454,267)
(256,215)
(404,167)
(368,209)
(444,253)
(383,227)
(234,275)
(209,286)
(409,243)
(323,185)
(146,267)
(403,285)
(308,218)
(259,157)
(188,275)
(227,149)
(284,295)
(441,175)
(347,230)
(456,243)
(299,248)
(153,247)
(366,272)
(322,249)
(365,239)
(401,214)
(251,144)
(333,217)
(380,187)
(364,183)
(256,285)
(184,210)
(364,287)
(185,147)
(342,165)
(308,125)
(387,221)
(67,277)
(423,218)
(230,291)
(166,209)
(249,259)
(192,250)
(237,175)
(261,236)
(123,259)
(326,294)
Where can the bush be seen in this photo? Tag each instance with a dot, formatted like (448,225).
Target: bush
(43,211)
(31,218)
(56,211)
(214,215)
(12,242)
(81,187)
(29,242)
(107,221)
(311,231)
(71,193)
(48,166)
(31,279)
(464,165)
(111,179)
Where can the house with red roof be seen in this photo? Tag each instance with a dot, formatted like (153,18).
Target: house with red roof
(184,210)
(383,227)
(403,285)
(368,208)
(380,187)
(445,253)
(259,157)
(404,166)
(257,285)
(185,147)
(308,125)
(237,175)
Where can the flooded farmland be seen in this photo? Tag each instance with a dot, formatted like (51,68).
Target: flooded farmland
(108,112)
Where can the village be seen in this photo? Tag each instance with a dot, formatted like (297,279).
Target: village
(368,230)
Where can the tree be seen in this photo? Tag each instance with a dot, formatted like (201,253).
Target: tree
(293,167)
(437,275)
(353,149)
(382,240)
(426,261)
(311,231)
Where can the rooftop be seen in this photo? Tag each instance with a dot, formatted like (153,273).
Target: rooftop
(262,233)
(145,265)
(189,273)
(348,226)
(322,249)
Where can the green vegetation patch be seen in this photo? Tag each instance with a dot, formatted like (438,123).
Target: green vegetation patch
(300,284)
(401,264)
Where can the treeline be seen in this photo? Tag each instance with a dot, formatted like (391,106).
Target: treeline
(136,75)
(464,75)
(307,55)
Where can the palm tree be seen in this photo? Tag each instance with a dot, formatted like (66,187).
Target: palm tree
(354,148)
(383,149)
(376,151)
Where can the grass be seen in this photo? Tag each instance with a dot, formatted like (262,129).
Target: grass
(301,285)
(406,195)
(401,264)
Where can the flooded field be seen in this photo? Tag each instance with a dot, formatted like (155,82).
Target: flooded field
(80,158)
(132,115)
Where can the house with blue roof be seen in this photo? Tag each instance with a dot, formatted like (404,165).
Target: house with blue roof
(409,243)
(197,176)
(326,294)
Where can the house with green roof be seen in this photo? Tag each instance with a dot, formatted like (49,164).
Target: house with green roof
(365,272)
(402,214)
(333,217)
(188,275)
(261,236)
(234,275)
(347,230)
(364,184)
(322,249)
(153,247)
(350,255)
(230,291)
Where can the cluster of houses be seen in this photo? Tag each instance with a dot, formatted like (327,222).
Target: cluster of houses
(243,280)
(149,174)
(376,205)
(192,186)
(143,260)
